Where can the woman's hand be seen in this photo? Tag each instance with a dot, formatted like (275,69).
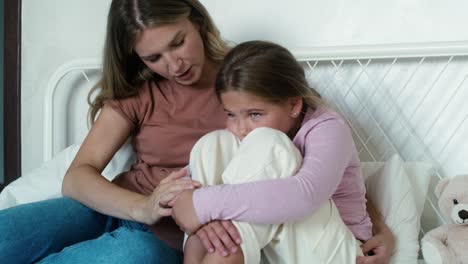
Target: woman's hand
(157,205)
(221,236)
(382,245)
(184,213)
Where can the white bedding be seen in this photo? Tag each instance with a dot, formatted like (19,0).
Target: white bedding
(45,182)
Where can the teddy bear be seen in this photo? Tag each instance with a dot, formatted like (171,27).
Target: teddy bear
(448,243)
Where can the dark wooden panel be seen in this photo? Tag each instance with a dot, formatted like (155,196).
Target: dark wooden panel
(12,90)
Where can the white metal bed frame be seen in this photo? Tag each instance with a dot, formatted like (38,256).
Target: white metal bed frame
(363,56)
(51,112)
(395,97)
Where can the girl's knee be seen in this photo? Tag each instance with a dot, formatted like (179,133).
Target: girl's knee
(271,142)
(265,132)
(214,143)
(269,137)
(216,138)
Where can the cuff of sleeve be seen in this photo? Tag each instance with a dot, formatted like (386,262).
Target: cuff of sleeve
(201,203)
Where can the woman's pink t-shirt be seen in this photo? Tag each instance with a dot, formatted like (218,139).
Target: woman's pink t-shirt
(168,119)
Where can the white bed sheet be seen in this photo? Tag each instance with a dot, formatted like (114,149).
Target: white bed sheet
(45,182)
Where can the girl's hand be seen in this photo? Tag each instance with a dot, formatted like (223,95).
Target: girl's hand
(184,213)
(221,236)
(382,245)
(157,205)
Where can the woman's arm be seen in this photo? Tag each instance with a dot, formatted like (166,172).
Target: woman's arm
(84,182)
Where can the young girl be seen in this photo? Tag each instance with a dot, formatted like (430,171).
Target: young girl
(268,103)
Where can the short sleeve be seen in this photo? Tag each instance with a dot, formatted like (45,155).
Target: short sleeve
(133,108)
(126,108)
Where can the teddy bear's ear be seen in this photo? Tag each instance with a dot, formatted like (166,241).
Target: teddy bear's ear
(441,186)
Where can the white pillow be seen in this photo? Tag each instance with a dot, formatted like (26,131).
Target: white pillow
(398,191)
(45,182)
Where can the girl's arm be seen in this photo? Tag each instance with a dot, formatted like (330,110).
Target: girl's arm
(379,248)
(84,182)
(327,152)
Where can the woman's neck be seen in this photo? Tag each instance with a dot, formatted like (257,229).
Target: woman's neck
(208,75)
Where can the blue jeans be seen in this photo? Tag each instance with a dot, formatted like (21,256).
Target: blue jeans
(64,231)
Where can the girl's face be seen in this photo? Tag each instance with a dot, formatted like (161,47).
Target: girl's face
(247,112)
(174,51)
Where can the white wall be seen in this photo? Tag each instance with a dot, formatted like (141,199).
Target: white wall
(72,29)
(53,32)
(305,23)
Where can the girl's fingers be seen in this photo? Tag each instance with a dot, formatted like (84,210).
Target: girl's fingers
(232,230)
(224,236)
(214,239)
(371,244)
(203,236)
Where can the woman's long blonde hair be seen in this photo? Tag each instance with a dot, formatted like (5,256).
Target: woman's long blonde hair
(122,70)
(266,70)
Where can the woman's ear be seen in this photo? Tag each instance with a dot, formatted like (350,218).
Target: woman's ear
(295,104)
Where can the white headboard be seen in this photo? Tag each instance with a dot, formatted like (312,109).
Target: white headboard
(406,99)
(65,104)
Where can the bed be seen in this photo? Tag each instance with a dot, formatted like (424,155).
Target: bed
(404,103)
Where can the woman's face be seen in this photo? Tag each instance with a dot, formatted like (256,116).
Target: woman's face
(174,51)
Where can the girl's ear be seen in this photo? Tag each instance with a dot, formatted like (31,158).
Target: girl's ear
(295,104)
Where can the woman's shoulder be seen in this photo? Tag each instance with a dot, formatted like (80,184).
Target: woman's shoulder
(134,106)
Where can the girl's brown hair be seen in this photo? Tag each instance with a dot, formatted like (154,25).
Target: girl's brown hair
(266,70)
(122,70)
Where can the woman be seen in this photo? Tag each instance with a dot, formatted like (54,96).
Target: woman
(159,66)
(160,61)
